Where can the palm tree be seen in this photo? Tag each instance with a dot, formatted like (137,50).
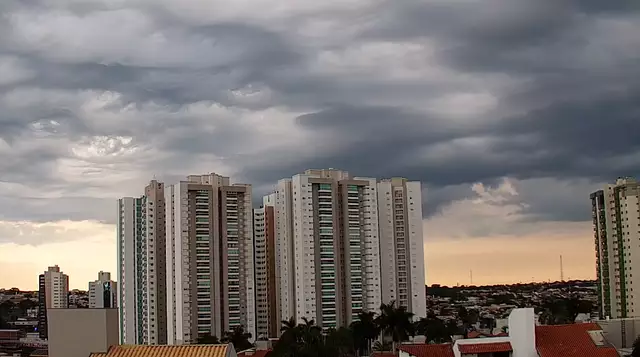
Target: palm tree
(365,330)
(395,322)
(288,324)
(382,346)
(208,340)
(239,338)
(338,343)
(636,348)
(434,329)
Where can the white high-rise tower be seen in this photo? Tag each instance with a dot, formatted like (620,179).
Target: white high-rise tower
(210,258)
(616,226)
(142,267)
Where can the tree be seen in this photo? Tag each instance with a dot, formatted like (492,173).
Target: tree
(339,343)
(239,338)
(208,340)
(434,329)
(288,324)
(379,346)
(364,330)
(395,322)
(563,311)
(636,348)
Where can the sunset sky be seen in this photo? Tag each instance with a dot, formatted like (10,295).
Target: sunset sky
(509,111)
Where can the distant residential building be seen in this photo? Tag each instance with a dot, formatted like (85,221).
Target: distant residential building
(402,244)
(267,323)
(142,267)
(210,259)
(616,226)
(80,332)
(53,293)
(103,293)
(327,249)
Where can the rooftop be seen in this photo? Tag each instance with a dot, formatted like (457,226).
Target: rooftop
(168,351)
(422,350)
(476,348)
(571,341)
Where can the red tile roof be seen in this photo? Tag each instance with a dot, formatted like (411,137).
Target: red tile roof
(570,341)
(423,350)
(476,348)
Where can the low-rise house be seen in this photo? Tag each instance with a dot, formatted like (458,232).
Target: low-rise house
(525,339)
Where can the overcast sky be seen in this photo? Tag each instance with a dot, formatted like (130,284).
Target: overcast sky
(509,111)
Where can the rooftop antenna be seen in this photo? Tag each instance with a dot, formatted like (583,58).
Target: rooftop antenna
(470,277)
(561,269)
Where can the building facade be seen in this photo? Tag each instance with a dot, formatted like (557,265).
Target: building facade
(210,259)
(81,332)
(142,267)
(401,244)
(327,247)
(267,323)
(616,225)
(103,293)
(53,293)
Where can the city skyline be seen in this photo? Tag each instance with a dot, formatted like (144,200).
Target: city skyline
(510,113)
(576,260)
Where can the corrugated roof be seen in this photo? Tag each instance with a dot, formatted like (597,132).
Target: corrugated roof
(476,348)
(423,350)
(98,354)
(570,341)
(167,351)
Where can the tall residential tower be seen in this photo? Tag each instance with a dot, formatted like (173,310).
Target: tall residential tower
(267,323)
(327,248)
(142,267)
(210,261)
(53,293)
(401,244)
(616,226)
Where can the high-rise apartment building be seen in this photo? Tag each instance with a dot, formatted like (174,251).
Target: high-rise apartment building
(142,267)
(53,293)
(327,247)
(267,323)
(103,293)
(210,259)
(616,226)
(401,244)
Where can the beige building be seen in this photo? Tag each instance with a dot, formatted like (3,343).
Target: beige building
(103,293)
(53,293)
(210,261)
(80,332)
(616,227)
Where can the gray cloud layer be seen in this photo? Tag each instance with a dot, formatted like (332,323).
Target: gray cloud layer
(96,97)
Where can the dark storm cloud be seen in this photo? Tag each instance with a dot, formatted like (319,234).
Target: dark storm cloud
(571,102)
